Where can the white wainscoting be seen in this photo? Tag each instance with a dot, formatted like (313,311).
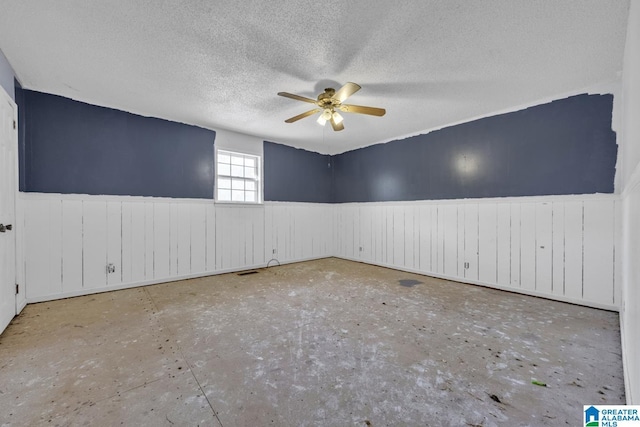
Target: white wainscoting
(561,247)
(566,248)
(630,310)
(70,239)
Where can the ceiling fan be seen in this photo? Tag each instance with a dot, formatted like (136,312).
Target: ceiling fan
(331,100)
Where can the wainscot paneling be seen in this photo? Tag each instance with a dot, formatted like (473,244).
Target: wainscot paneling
(560,247)
(70,241)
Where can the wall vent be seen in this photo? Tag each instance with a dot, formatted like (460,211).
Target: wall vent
(245,273)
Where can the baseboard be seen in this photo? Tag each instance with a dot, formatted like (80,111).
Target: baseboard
(528,292)
(625,364)
(90,291)
(120,286)
(632,183)
(21,305)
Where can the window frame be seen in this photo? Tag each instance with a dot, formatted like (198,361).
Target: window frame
(258,180)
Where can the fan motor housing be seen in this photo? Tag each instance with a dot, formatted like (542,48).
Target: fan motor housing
(325,99)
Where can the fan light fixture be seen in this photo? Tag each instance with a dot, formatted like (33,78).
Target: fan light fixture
(329,114)
(328,102)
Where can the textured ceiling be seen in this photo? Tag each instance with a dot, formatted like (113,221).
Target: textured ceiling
(219,64)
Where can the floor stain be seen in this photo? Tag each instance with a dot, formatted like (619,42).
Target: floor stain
(409,283)
(330,341)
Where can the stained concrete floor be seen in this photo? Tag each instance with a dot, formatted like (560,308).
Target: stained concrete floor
(326,343)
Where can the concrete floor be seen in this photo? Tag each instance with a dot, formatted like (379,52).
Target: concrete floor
(327,342)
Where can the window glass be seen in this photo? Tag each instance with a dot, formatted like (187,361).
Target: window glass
(224,183)
(237,177)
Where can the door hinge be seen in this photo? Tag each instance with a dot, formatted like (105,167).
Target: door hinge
(14,124)
(17,289)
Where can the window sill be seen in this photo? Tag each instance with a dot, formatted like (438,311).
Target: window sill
(247,204)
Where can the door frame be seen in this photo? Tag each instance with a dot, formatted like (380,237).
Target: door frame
(19,303)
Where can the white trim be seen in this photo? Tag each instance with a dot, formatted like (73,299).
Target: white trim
(276,203)
(532,293)
(152,199)
(130,285)
(264,265)
(512,199)
(17,257)
(21,305)
(228,203)
(108,198)
(633,183)
(259,181)
(625,362)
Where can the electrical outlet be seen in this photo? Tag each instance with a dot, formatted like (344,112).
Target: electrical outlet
(111,268)
(360,248)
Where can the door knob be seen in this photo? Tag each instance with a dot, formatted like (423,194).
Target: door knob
(4,228)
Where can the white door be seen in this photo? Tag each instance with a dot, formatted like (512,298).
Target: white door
(8,145)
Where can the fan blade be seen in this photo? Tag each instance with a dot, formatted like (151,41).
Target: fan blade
(336,126)
(346,91)
(297,97)
(360,109)
(303,115)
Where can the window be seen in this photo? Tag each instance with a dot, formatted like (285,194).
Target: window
(238,177)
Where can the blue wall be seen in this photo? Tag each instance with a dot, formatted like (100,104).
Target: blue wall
(564,147)
(295,175)
(6,75)
(73,147)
